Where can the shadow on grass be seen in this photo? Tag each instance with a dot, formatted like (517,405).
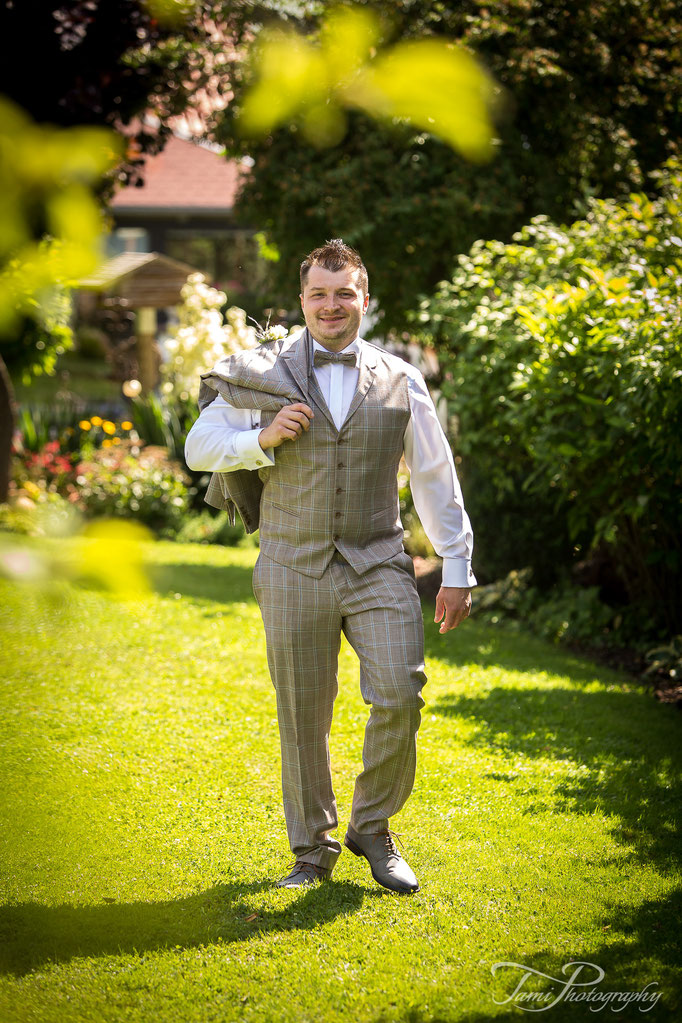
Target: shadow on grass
(626,751)
(224,584)
(653,939)
(32,935)
(645,961)
(421,1016)
(625,754)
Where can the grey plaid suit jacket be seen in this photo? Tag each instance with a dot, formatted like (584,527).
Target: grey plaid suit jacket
(268,377)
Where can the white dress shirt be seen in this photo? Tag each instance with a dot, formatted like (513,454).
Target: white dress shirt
(224,438)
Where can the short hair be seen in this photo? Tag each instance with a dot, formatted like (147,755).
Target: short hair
(335,255)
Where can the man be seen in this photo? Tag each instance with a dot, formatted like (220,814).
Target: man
(304,436)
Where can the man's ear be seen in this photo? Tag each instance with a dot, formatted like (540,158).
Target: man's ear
(365,303)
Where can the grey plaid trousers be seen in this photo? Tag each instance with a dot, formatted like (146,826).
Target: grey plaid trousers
(380,614)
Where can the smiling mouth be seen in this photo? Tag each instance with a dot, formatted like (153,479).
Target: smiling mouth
(331,319)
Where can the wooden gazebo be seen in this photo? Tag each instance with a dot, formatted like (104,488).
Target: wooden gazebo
(147,281)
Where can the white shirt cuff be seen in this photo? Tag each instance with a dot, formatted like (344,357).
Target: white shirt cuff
(457,572)
(249,451)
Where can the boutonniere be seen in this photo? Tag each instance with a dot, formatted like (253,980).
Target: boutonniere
(276,332)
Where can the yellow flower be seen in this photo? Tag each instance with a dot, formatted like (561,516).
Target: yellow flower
(125,425)
(106,443)
(95,420)
(84,424)
(108,427)
(116,440)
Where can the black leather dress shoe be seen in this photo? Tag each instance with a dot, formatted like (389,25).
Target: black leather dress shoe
(304,873)
(388,867)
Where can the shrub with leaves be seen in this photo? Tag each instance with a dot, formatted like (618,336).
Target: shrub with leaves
(206,527)
(562,357)
(44,332)
(48,466)
(146,486)
(666,660)
(565,613)
(102,468)
(40,426)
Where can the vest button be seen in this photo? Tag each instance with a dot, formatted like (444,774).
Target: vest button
(339,465)
(337,515)
(336,536)
(339,490)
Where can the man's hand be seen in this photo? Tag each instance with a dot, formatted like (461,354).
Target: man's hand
(288,424)
(455,603)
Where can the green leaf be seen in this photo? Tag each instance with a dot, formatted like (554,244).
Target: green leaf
(433,84)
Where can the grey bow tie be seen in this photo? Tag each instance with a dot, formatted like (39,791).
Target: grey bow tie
(322,358)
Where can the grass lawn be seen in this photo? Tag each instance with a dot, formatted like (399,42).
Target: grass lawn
(76,379)
(142,824)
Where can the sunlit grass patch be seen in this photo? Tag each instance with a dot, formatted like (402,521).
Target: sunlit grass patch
(142,825)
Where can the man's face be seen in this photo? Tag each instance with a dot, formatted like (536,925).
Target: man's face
(333,306)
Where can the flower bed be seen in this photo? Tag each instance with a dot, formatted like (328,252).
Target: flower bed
(102,468)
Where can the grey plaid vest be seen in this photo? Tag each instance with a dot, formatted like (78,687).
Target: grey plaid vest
(329,489)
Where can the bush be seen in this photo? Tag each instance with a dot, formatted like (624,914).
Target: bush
(52,515)
(564,613)
(206,527)
(562,356)
(167,422)
(42,334)
(416,542)
(39,427)
(146,486)
(101,468)
(164,423)
(36,427)
(666,660)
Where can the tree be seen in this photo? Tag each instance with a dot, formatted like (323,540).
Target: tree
(87,65)
(92,62)
(593,104)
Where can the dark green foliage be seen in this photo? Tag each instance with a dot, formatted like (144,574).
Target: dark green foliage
(666,660)
(209,526)
(35,343)
(164,424)
(38,425)
(565,613)
(107,63)
(592,103)
(562,356)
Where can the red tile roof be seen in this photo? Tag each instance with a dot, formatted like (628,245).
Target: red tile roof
(183,176)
